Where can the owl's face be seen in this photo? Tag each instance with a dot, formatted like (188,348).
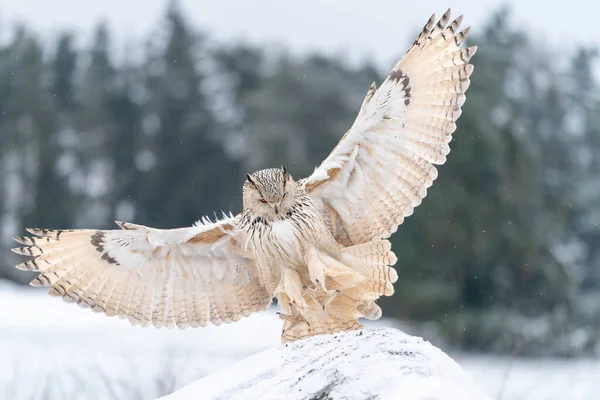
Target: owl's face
(269,193)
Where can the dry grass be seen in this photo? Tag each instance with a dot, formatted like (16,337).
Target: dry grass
(96,383)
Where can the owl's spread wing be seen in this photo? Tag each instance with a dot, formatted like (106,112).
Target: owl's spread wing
(381,169)
(176,277)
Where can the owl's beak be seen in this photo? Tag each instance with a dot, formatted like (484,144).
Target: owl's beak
(276,208)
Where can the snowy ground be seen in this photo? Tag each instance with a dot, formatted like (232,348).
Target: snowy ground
(50,349)
(381,363)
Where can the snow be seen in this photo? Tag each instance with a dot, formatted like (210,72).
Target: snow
(70,351)
(379,363)
(53,350)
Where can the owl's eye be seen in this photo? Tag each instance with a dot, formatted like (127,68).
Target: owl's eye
(263,201)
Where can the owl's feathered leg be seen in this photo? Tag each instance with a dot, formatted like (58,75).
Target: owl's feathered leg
(291,285)
(340,291)
(294,324)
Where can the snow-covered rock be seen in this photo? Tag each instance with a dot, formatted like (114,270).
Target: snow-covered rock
(368,364)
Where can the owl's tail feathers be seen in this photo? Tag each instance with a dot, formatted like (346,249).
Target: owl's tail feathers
(302,330)
(338,317)
(341,314)
(373,260)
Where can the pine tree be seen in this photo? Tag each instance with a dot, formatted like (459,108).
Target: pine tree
(93,173)
(188,174)
(64,67)
(29,127)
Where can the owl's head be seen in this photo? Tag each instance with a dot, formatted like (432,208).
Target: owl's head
(269,193)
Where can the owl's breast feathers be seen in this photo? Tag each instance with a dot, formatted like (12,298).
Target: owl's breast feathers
(284,240)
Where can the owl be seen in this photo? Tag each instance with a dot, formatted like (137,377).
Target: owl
(319,244)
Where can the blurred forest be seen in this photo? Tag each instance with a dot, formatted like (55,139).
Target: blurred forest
(504,253)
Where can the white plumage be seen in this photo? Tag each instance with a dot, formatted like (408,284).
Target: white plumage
(317,244)
(382,168)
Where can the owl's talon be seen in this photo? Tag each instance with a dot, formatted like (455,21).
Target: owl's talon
(329,296)
(287,317)
(320,286)
(321,295)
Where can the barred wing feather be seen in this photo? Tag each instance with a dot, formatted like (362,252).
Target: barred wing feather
(177,277)
(381,169)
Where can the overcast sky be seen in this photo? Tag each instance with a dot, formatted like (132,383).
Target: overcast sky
(376,28)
